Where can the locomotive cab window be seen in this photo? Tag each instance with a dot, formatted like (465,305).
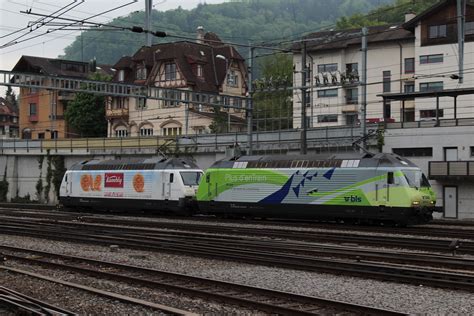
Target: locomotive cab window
(390,178)
(191,177)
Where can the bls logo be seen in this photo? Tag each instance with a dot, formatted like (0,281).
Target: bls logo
(353,198)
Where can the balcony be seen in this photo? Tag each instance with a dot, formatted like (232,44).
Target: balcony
(350,108)
(33,118)
(65,95)
(451,170)
(116,113)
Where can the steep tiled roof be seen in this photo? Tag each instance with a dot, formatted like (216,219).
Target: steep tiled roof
(186,55)
(329,40)
(55,67)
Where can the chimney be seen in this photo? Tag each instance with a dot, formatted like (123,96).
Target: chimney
(200,35)
(409,15)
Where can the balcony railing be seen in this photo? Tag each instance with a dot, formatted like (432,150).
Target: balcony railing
(33,118)
(111,113)
(66,95)
(451,169)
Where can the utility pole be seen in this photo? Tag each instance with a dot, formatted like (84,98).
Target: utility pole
(304,69)
(363,108)
(461,12)
(148,7)
(250,101)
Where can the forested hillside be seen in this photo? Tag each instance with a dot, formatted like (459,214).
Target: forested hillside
(239,21)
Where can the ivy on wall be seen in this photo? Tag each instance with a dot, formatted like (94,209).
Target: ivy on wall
(39,183)
(4,187)
(49,176)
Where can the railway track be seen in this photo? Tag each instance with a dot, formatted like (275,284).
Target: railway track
(339,237)
(259,252)
(462,230)
(15,303)
(266,300)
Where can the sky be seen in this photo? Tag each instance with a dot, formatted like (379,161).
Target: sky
(51,45)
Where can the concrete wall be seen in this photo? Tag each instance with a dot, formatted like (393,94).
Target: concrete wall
(438,138)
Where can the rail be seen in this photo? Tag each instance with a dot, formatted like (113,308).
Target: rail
(335,136)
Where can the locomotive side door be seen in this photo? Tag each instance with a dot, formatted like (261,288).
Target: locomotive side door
(166,183)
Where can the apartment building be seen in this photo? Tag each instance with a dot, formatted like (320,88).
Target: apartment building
(8,119)
(418,55)
(207,65)
(41,111)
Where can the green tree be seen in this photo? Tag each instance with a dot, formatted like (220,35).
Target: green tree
(236,21)
(11,97)
(272,97)
(86,113)
(390,13)
(219,122)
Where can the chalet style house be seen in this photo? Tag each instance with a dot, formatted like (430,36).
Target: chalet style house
(207,66)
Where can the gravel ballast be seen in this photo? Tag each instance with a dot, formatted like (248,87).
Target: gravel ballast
(401,297)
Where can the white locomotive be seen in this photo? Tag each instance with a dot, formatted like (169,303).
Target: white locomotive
(160,184)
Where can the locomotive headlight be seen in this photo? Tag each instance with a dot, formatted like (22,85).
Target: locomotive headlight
(189,191)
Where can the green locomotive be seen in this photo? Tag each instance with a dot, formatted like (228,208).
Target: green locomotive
(380,188)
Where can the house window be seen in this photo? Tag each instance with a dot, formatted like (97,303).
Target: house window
(431,59)
(387,109)
(308,98)
(232,78)
(409,115)
(469,28)
(437,31)
(352,68)
(328,93)
(352,96)
(119,103)
(414,152)
(327,68)
(387,78)
(141,73)
(431,86)
(121,132)
(409,87)
(199,71)
(352,119)
(40,135)
(425,114)
(141,103)
(171,131)
(121,75)
(146,131)
(409,65)
(328,118)
(172,97)
(472,151)
(170,71)
(33,109)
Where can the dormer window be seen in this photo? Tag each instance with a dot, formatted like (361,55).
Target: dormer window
(437,31)
(232,78)
(121,75)
(199,71)
(141,73)
(170,71)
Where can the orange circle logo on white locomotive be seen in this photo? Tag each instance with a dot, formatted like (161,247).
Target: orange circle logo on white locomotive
(139,182)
